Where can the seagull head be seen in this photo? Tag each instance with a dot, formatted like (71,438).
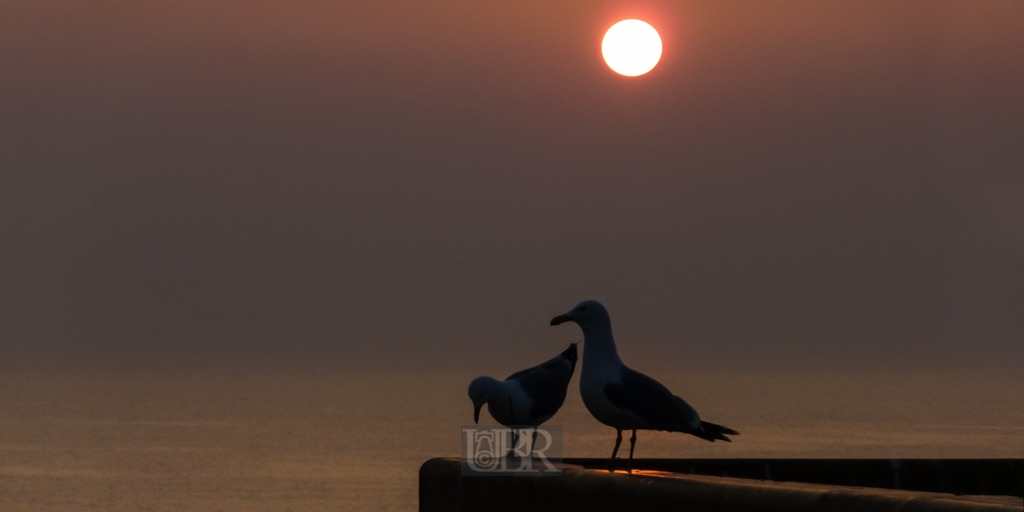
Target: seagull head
(586,314)
(480,392)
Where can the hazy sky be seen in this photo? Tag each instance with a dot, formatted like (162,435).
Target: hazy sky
(225,182)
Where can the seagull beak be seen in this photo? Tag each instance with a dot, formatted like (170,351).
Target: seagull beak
(476,413)
(560,319)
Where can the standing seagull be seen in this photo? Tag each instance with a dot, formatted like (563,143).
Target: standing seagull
(526,398)
(627,399)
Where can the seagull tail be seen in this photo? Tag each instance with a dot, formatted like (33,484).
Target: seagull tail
(711,432)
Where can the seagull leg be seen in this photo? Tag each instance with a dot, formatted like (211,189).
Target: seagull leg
(632,444)
(618,441)
(515,432)
(515,441)
(534,444)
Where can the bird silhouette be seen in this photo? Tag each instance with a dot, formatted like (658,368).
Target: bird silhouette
(526,398)
(623,398)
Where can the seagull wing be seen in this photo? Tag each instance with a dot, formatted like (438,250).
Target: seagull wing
(652,401)
(546,384)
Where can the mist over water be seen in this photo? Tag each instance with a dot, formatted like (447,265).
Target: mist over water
(292,441)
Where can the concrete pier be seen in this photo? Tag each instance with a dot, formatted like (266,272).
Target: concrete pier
(748,485)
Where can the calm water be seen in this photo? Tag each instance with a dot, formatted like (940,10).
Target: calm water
(317,442)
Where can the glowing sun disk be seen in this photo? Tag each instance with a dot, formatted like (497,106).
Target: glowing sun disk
(631,47)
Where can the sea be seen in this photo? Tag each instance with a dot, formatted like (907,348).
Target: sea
(355,439)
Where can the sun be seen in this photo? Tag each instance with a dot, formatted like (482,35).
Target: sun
(631,47)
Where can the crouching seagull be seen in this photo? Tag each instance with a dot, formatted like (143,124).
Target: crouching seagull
(624,398)
(526,398)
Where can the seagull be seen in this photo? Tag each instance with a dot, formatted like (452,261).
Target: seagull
(526,398)
(624,398)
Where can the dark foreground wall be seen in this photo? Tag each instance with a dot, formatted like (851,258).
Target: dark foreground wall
(443,488)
